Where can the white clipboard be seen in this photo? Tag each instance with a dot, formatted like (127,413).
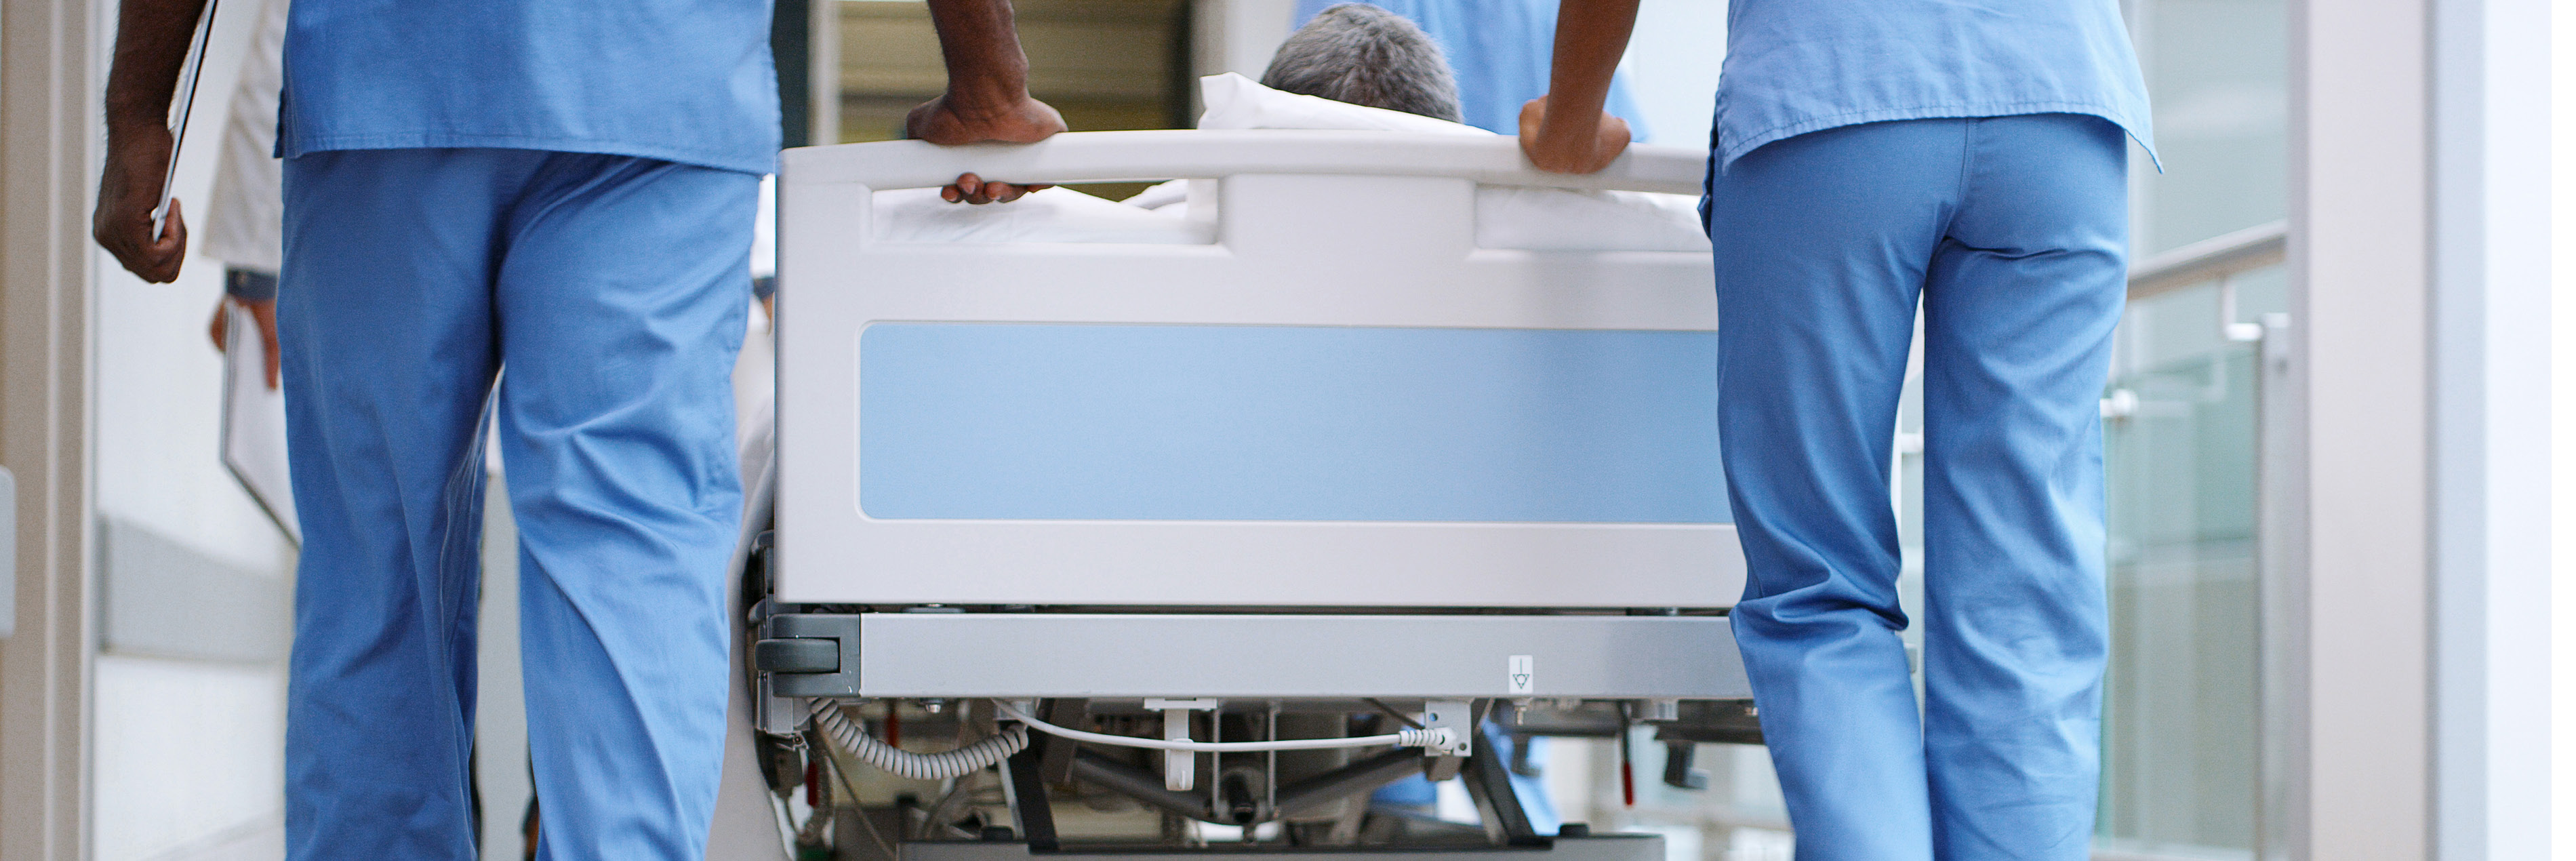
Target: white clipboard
(254,432)
(187,98)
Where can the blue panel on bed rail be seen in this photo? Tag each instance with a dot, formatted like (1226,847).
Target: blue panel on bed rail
(1103,422)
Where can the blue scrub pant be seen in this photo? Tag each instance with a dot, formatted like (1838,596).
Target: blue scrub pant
(613,289)
(2013,234)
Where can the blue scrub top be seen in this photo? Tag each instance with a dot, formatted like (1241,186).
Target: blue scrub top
(1500,50)
(679,80)
(1797,66)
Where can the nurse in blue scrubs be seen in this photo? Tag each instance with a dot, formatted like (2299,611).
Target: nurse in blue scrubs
(1498,48)
(565,188)
(1872,155)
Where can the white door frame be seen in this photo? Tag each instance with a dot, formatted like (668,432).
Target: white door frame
(2490,341)
(2350,707)
(48,133)
(2406,694)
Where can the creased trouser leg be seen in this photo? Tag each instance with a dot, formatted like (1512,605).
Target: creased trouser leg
(612,287)
(1824,244)
(622,473)
(2018,314)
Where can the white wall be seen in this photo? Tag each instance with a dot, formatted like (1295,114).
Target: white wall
(2562,514)
(2492,402)
(188,758)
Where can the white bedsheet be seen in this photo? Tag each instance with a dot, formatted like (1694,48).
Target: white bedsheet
(1542,219)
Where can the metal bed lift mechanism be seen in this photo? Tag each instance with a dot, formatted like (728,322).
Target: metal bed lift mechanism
(1239,532)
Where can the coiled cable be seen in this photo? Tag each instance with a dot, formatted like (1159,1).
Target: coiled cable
(918,766)
(1435,737)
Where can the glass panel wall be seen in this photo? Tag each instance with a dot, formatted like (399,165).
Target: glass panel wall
(2179,723)
(2180,715)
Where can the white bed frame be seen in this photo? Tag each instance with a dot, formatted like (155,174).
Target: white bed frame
(1324,229)
(1364,237)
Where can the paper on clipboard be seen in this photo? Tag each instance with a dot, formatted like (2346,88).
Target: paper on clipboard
(254,432)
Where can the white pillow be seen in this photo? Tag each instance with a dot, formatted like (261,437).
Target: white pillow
(1045,215)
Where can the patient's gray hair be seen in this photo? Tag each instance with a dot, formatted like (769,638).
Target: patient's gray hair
(1365,55)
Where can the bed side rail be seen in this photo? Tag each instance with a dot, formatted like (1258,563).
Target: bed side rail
(1156,155)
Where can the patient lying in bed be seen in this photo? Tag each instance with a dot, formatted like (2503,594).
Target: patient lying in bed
(1352,68)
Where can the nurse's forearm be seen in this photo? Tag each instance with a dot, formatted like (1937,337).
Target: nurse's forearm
(1590,37)
(986,69)
(152,39)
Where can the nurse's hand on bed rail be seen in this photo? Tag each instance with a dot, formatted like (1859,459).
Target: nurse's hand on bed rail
(970,188)
(1578,136)
(942,121)
(988,93)
(952,119)
(1568,147)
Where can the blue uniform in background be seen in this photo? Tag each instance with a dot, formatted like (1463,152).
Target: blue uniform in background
(566,189)
(1500,50)
(1969,156)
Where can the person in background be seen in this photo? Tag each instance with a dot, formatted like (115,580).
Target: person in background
(1498,48)
(1873,156)
(243,220)
(1361,54)
(474,183)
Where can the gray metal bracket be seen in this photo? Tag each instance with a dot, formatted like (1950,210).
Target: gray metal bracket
(793,650)
(1459,718)
(1281,656)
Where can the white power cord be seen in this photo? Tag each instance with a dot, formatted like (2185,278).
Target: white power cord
(918,766)
(1438,738)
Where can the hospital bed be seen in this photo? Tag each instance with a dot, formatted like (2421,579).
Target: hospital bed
(1084,520)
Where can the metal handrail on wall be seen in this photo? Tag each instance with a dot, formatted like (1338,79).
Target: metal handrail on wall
(2218,258)
(2210,259)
